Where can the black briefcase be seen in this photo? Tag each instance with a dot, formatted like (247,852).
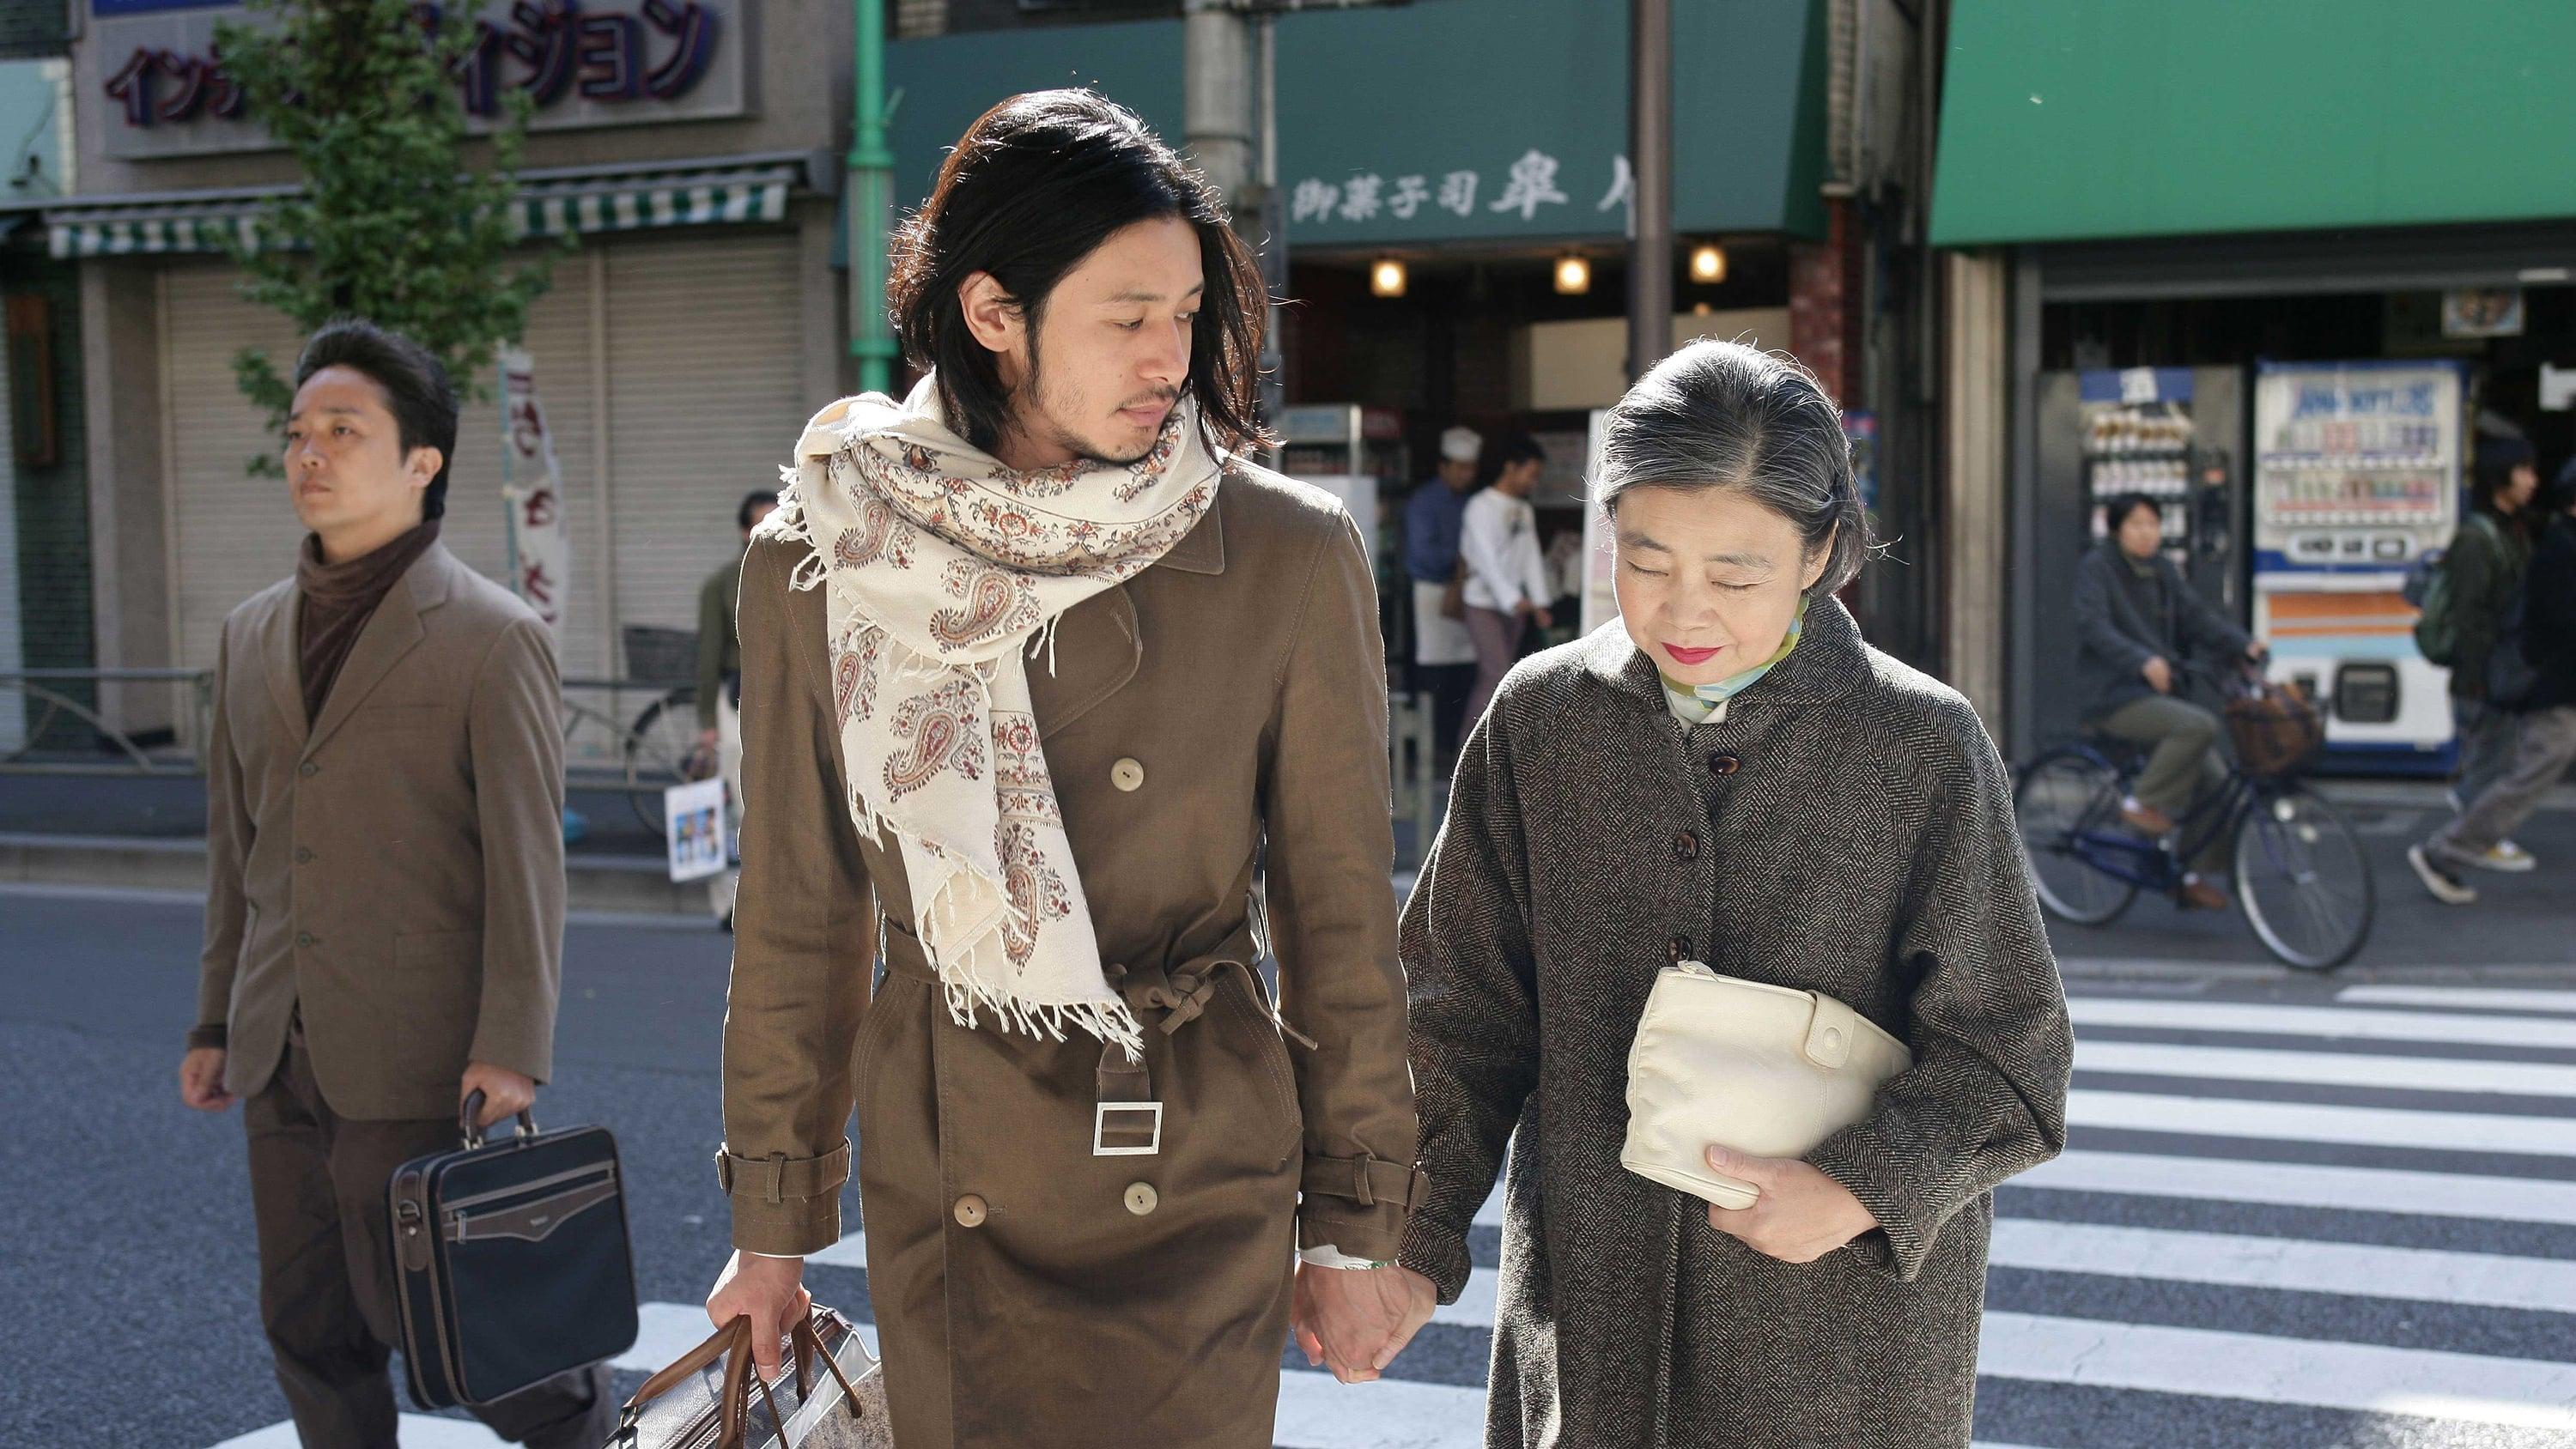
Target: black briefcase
(511,1260)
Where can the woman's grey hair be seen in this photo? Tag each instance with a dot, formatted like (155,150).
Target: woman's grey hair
(1724,415)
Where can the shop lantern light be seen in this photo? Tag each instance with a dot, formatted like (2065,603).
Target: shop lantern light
(1573,275)
(1386,278)
(1708,264)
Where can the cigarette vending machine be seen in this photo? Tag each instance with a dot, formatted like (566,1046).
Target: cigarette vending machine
(2356,477)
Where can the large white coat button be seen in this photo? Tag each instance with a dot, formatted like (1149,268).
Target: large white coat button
(1142,1199)
(1127,775)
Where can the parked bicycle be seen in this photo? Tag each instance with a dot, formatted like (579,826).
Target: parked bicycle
(2300,873)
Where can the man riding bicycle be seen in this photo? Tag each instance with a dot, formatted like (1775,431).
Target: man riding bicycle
(2136,619)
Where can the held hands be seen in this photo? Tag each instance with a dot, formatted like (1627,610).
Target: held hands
(201,1079)
(506,1094)
(1358,1319)
(772,1291)
(1802,1214)
(2159,675)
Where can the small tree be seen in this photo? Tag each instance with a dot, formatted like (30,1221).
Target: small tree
(390,224)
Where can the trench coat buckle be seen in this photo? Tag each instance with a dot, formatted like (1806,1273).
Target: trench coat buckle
(1136,1131)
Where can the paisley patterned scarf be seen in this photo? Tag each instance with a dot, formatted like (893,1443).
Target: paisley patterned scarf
(944,573)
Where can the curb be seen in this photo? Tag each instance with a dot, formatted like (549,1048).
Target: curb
(593,885)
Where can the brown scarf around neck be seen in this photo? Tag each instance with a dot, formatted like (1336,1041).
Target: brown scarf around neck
(335,601)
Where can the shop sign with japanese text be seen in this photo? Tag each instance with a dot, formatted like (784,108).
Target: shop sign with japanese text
(152,78)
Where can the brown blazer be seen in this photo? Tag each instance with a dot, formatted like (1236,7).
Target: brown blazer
(1227,702)
(398,867)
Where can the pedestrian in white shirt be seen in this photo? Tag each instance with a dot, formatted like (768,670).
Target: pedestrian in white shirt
(1507,583)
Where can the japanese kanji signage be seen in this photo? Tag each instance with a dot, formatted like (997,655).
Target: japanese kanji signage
(1529,190)
(154,84)
(540,551)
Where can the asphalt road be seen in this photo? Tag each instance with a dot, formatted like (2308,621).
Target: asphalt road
(2275,1228)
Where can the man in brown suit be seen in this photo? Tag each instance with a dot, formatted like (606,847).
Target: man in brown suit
(1066,1247)
(384,914)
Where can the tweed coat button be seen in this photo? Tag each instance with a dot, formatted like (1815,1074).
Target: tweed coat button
(1142,1199)
(1682,950)
(1724,764)
(971,1211)
(1127,775)
(1685,846)
(308,769)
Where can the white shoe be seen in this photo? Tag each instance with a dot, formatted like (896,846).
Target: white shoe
(2507,858)
(2447,888)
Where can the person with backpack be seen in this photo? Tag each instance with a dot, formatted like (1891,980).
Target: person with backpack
(2541,684)
(2473,589)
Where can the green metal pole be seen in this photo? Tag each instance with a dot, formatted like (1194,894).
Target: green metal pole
(871,191)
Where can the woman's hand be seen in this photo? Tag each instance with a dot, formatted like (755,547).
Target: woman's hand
(2159,675)
(1802,1214)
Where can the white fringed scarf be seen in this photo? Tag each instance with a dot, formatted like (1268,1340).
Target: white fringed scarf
(945,571)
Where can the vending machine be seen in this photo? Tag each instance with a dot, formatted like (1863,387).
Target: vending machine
(2357,476)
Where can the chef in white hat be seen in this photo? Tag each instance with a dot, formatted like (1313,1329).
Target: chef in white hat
(1444,656)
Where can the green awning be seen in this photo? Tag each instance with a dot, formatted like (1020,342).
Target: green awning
(1445,120)
(548,204)
(2089,119)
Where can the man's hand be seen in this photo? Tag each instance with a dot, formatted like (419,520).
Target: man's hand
(506,1094)
(1802,1214)
(201,1079)
(2159,675)
(1359,1319)
(1545,619)
(772,1291)
(2257,650)
(1521,608)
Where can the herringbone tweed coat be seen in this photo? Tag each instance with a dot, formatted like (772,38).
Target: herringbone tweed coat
(1847,828)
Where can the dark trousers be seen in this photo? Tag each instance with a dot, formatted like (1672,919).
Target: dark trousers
(326,1282)
(1448,685)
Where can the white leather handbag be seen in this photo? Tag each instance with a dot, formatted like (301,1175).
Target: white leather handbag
(1762,1069)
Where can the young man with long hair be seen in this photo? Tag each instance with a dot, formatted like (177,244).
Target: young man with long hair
(1081,714)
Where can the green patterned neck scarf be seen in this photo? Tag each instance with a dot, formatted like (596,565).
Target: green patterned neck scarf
(1706,703)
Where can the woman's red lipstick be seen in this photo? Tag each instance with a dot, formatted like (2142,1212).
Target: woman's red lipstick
(1692,658)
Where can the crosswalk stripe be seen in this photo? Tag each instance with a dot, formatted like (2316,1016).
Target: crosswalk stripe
(418,1431)
(1316,1411)
(2307,1185)
(2486,1280)
(2326,1069)
(2484,998)
(2348,1023)
(2363,1378)
(2314,1122)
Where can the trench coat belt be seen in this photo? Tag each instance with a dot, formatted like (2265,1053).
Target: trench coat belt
(1127,1120)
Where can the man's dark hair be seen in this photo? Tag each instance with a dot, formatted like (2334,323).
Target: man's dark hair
(2497,456)
(753,501)
(2117,511)
(1505,451)
(1034,186)
(413,380)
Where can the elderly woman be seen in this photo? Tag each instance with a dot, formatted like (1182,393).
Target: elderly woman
(1731,775)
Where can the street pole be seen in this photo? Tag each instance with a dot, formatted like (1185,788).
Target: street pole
(871,190)
(1650,143)
(1217,100)
(1274,229)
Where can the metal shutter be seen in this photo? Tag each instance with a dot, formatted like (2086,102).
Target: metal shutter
(706,401)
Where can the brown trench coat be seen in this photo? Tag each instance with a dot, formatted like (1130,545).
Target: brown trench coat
(1226,706)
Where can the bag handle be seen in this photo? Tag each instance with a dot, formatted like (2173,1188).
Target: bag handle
(741,1375)
(810,1341)
(472,1107)
(720,1344)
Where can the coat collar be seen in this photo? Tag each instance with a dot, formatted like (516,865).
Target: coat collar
(1202,549)
(1830,661)
(391,632)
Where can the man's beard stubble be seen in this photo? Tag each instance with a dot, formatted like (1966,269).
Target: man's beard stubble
(1030,403)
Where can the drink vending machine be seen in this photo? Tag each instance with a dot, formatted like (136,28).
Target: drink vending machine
(2356,477)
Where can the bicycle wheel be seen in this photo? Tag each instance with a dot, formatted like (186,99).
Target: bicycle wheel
(2063,795)
(657,745)
(2304,880)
